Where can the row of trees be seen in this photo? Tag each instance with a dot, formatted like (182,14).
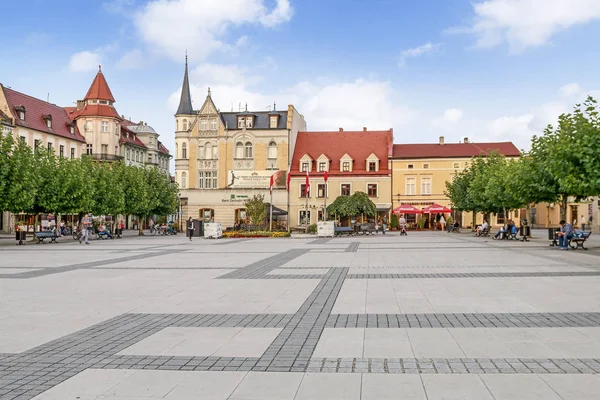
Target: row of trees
(37,181)
(349,206)
(563,162)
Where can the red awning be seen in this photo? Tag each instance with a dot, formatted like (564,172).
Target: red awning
(435,209)
(406,209)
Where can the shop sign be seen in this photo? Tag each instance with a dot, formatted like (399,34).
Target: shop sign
(254,179)
(235,198)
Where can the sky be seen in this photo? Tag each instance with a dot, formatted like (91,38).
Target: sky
(489,70)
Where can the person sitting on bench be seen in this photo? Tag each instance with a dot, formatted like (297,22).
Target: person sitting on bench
(501,232)
(481,229)
(565,234)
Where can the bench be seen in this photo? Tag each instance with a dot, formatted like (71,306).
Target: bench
(41,236)
(343,230)
(368,229)
(578,240)
(485,232)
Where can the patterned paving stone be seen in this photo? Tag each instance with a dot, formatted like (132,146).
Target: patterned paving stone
(474,275)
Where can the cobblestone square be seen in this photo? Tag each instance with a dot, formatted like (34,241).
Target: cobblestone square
(427,316)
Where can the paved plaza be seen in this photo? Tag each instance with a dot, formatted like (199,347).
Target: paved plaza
(427,316)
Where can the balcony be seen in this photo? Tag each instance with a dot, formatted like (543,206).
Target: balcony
(105,157)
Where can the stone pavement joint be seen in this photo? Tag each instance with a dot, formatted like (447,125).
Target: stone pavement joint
(352,247)
(474,275)
(479,320)
(259,269)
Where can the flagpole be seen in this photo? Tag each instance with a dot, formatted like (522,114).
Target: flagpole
(306,191)
(271,216)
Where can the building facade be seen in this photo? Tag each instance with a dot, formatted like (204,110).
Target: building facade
(420,173)
(354,161)
(225,158)
(38,124)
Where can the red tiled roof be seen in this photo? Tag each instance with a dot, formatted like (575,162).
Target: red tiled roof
(35,109)
(132,139)
(453,150)
(93,110)
(99,89)
(162,148)
(359,145)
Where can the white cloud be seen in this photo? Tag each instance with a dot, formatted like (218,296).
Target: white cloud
(527,23)
(571,89)
(131,60)
(417,52)
(117,6)
(85,61)
(172,26)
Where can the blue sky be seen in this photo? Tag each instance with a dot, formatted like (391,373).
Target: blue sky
(487,70)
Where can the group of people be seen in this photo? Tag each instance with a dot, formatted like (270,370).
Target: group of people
(505,230)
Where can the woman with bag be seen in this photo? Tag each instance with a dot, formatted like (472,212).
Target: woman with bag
(190,227)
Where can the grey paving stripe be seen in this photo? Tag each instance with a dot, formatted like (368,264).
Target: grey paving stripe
(320,241)
(178,363)
(259,269)
(456,365)
(226,241)
(478,320)
(352,247)
(474,275)
(86,265)
(165,268)
(295,344)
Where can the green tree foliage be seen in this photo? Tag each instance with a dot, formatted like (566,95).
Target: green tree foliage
(256,209)
(23,180)
(348,206)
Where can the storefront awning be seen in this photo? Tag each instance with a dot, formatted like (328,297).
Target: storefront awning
(383,207)
(276,211)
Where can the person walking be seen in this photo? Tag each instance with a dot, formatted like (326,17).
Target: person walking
(443,222)
(190,228)
(582,222)
(85,225)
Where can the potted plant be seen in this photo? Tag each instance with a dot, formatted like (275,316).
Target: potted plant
(394,222)
(20,233)
(421,222)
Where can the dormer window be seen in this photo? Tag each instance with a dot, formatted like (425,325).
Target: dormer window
(240,122)
(273,120)
(21,112)
(346,163)
(372,163)
(346,166)
(249,122)
(72,129)
(47,120)
(305,166)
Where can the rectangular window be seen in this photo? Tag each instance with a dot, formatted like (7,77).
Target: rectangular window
(37,144)
(104,149)
(87,127)
(49,146)
(372,189)
(303,190)
(88,149)
(304,167)
(23,139)
(425,166)
(248,122)
(273,122)
(72,153)
(456,165)
(49,123)
(240,122)
(21,115)
(213,124)
(116,150)
(426,185)
(61,151)
(346,166)
(345,189)
(104,126)
(128,155)
(304,217)
(322,166)
(410,166)
(203,125)
(372,166)
(411,186)
(150,158)
(321,190)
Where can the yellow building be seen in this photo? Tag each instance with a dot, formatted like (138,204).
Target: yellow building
(354,161)
(420,173)
(586,212)
(225,158)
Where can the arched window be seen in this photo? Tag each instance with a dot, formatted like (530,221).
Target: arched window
(183,150)
(185,124)
(239,150)
(272,150)
(208,151)
(183,180)
(248,150)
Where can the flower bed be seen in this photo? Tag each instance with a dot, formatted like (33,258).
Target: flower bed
(255,234)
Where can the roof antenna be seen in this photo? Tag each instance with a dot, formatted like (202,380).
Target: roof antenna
(99,68)
(274,106)
(246,106)
(48,98)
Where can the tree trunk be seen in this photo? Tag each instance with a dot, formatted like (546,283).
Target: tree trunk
(141,227)
(563,208)
(474,220)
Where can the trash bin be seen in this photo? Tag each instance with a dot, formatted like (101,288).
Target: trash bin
(198,228)
(551,232)
(21,236)
(525,231)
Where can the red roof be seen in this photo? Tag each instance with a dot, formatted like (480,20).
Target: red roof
(93,110)
(35,110)
(132,139)
(453,150)
(99,89)
(359,145)
(162,148)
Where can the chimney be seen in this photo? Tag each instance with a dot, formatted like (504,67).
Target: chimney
(466,140)
(341,129)
(80,104)
(441,140)
(364,128)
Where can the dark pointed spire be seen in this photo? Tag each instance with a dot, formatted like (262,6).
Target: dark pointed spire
(185,103)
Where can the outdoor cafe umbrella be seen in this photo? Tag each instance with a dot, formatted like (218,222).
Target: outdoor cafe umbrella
(436,209)
(406,209)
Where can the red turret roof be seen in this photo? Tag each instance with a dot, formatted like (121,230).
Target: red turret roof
(99,89)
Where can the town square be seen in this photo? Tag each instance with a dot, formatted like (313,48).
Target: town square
(276,199)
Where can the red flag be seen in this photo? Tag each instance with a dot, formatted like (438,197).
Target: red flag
(289,177)
(325,176)
(271,184)
(307,184)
